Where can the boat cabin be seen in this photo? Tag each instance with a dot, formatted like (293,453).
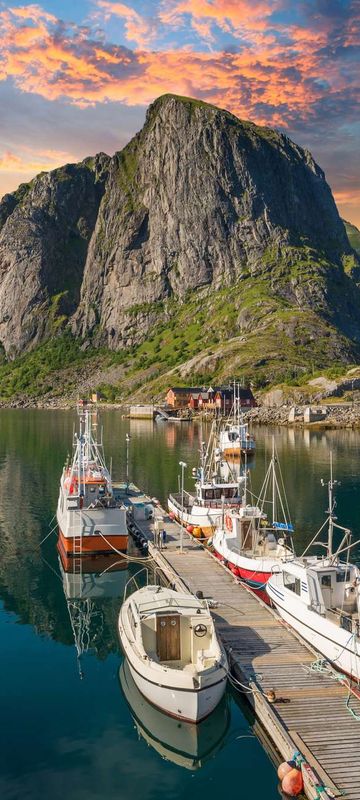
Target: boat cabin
(177,633)
(249,533)
(213,493)
(92,492)
(324,587)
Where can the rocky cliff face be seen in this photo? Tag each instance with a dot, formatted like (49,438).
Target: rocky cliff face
(198,200)
(46,227)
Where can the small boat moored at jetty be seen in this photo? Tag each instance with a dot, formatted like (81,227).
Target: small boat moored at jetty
(183,743)
(90,520)
(200,511)
(319,597)
(250,544)
(173,652)
(235,440)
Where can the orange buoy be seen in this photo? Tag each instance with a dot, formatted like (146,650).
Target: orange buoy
(283,769)
(190,528)
(292,783)
(197,531)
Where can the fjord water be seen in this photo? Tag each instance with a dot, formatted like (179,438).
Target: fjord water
(66,728)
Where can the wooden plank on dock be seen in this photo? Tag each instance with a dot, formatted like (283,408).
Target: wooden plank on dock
(309,713)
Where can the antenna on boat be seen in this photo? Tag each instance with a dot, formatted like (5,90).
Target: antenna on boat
(273,480)
(332,505)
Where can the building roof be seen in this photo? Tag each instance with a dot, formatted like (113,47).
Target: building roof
(245,392)
(185,389)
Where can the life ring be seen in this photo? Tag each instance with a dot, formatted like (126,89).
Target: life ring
(200,630)
(228,522)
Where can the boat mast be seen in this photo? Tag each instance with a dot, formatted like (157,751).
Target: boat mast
(330,510)
(273,480)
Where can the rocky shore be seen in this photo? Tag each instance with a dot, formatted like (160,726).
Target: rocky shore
(337,416)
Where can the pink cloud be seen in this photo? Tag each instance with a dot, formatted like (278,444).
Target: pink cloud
(30,160)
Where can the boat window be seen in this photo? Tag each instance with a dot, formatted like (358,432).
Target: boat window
(325,580)
(209,494)
(217,494)
(292,583)
(343,576)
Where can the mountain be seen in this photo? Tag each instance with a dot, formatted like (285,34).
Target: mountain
(207,246)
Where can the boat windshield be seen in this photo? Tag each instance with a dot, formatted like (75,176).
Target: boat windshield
(161,603)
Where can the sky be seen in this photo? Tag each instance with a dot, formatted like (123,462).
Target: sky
(76,76)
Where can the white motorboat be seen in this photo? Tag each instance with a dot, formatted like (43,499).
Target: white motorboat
(248,542)
(90,520)
(319,596)
(200,511)
(173,652)
(235,438)
(185,744)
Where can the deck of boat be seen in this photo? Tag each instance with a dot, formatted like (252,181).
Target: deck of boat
(310,713)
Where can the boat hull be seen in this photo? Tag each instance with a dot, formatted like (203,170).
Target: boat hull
(251,570)
(237,452)
(198,516)
(336,644)
(92,544)
(187,705)
(184,696)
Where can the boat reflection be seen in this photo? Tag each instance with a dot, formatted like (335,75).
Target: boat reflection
(93,588)
(185,744)
(92,576)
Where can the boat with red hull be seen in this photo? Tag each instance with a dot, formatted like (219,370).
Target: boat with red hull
(249,543)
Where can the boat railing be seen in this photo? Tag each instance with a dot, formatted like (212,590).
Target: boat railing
(151,577)
(344,620)
(135,581)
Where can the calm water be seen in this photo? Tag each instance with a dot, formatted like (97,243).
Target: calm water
(66,728)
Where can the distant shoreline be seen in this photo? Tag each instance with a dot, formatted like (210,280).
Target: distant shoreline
(338,415)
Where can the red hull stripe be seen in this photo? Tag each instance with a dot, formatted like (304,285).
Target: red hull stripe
(254,578)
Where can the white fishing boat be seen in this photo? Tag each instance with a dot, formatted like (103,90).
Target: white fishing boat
(183,743)
(173,652)
(248,542)
(319,596)
(235,438)
(199,511)
(90,520)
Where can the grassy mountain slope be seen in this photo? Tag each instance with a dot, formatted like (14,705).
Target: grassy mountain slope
(353,235)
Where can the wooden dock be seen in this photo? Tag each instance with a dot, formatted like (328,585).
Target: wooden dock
(309,714)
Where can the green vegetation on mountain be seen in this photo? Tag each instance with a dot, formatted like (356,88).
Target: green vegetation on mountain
(353,235)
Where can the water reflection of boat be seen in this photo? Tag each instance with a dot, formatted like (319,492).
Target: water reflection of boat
(92,598)
(183,743)
(98,577)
